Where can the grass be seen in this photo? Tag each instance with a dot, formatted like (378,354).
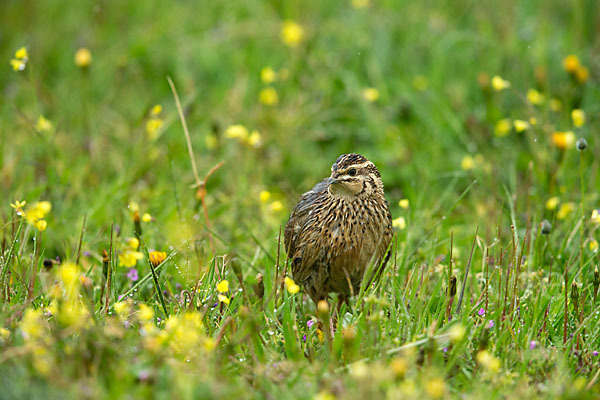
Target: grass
(481,298)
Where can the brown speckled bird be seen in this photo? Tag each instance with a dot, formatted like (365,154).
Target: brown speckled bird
(338,228)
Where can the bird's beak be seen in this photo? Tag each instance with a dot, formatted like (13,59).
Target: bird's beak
(333,181)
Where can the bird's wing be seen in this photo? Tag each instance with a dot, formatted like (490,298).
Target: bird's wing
(301,214)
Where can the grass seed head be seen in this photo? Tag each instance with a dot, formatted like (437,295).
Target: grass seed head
(546,227)
(574,292)
(581,144)
(452,286)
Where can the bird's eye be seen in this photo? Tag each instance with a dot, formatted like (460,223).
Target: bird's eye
(352,172)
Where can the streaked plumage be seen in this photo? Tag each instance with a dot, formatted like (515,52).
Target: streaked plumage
(338,228)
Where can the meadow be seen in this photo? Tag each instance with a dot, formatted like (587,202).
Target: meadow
(151,153)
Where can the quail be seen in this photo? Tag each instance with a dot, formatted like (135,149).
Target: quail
(338,229)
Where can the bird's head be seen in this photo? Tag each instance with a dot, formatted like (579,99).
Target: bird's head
(353,176)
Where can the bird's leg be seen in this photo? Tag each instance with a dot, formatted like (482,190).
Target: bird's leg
(333,322)
(341,300)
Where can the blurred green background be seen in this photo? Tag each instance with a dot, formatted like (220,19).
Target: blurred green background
(407,84)
(98,153)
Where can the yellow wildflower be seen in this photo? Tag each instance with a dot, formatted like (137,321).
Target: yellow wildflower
(146,217)
(223,286)
(40,224)
(291,33)
(533,121)
(83,57)
(467,163)
(435,388)
(596,217)
(20,61)
(157,257)
(520,125)
(407,388)
(22,54)
(73,313)
(399,223)
(68,274)
(39,209)
(133,206)
(594,246)
(36,213)
(264,196)
(18,206)
(32,325)
(535,97)
(153,126)
(291,286)
(209,344)
(129,258)
(236,132)
(324,394)
(53,306)
(502,127)
(565,209)
(571,63)
(457,333)
(359,370)
(555,104)
(155,110)
(18,65)
(358,4)
(403,203)
(370,94)
(578,117)
(563,140)
(399,366)
(255,139)
(276,206)
(488,361)
(268,75)
(43,124)
(223,299)
(499,84)
(268,96)
(155,123)
(145,313)
(134,243)
(552,203)
(122,308)
(320,335)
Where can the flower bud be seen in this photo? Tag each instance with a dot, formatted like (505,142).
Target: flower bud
(105,261)
(546,227)
(581,144)
(452,286)
(157,257)
(323,307)
(137,223)
(574,292)
(259,286)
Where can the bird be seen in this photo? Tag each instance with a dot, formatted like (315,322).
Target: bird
(338,229)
